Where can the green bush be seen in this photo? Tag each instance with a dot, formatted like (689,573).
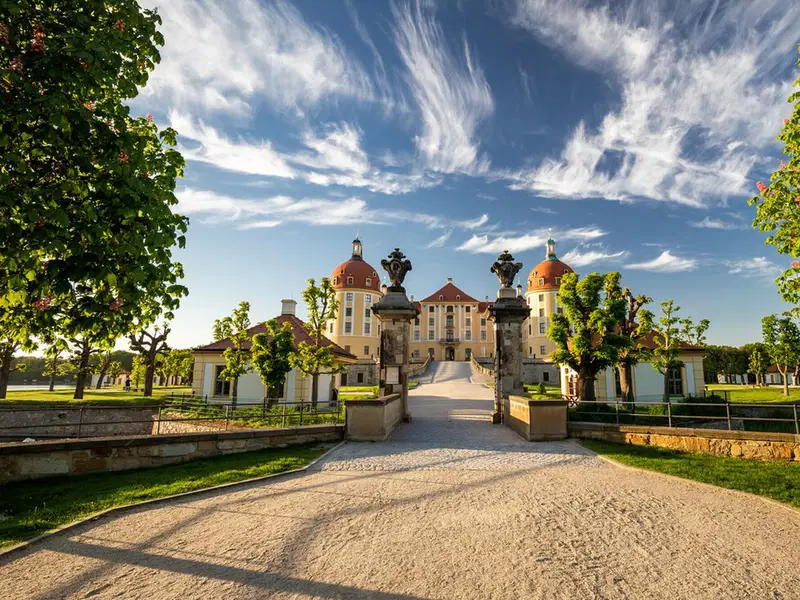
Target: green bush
(541,389)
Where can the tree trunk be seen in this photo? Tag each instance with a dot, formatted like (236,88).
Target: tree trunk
(5,373)
(148,379)
(314,390)
(625,370)
(53,378)
(235,390)
(80,384)
(785,382)
(586,379)
(100,377)
(666,385)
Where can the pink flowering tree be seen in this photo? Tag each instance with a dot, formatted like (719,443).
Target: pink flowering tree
(87,204)
(778,203)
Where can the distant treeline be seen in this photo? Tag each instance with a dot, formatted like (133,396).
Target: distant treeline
(35,367)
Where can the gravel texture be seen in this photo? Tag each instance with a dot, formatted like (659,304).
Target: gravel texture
(451,508)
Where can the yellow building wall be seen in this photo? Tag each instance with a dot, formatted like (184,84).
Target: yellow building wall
(472,329)
(359,342)
(542,304)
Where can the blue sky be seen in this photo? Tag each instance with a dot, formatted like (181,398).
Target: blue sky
(458,129)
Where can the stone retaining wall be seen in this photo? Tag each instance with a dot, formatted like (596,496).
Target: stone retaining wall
(415,369)
(35,460)
(758,445)
(68,421)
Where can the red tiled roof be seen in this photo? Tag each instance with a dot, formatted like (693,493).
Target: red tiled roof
(298,329)
(360,271)
(482,306)
(448,294)
(548,270)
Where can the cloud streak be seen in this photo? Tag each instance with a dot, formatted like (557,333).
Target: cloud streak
(483,244)
(666,262)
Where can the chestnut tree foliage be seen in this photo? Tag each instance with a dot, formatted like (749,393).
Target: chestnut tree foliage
(87,225)
(778,204)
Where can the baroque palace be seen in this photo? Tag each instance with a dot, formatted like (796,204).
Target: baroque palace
(452,324)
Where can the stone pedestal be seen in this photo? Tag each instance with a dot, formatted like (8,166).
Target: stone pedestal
(508,312)
(395,311)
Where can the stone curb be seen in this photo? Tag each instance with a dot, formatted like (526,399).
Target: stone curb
(127,507)
(789,507)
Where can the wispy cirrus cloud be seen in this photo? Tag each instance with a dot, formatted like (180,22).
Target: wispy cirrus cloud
(579,257)
(451,93)
(759,266)
(272,211)
(697,97)
(709,223)
(666,262)
(228,56)
(536,239)
(440,241)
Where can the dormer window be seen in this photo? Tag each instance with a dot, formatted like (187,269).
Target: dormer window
(558,280)
(458,296)
(349,281)
(441,297)
(541,280)
(369,282)
(335,281)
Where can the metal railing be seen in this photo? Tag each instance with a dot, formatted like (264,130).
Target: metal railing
(103,421)
(688,413)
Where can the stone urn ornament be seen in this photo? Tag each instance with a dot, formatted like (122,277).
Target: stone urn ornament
(506,269)
(397,266)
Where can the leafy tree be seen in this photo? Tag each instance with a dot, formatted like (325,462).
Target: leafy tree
(713,363)
(53,356)
(586,333)
(9,347)
(758,365)
(86,211)
(138,371)
(234,328)
(694,334)
(667,339)
(178,363)
(114,369)
(634,328)
(317,359)
(271,355)
(149,346)
(104,361)
(782,341)
(82,352)
(778,204)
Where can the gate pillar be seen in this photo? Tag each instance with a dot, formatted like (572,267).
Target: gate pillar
(395,312)
(508,313)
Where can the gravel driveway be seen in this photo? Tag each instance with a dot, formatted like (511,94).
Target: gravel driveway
(451,508)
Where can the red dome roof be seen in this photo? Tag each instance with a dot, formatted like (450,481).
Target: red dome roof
(355,274)
(547,270)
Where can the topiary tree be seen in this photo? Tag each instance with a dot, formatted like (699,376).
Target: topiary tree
(586,333)
(317,359)
(86,215)
(234,328)
(778,204)
(271,355)
(782,342)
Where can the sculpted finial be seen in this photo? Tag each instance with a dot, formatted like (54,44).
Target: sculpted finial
(506,269)
(397,266)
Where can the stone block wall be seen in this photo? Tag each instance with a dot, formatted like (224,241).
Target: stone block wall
(368,369)
(745,444)
(35,460)
(67,422)
(532,371)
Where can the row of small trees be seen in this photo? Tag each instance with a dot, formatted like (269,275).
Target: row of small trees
(273,353)
(603,325)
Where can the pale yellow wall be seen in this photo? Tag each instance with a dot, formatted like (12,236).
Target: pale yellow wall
(465,325)
(532,339)
(357,339)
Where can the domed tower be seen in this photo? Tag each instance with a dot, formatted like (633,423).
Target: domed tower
(544,281)
(356,328)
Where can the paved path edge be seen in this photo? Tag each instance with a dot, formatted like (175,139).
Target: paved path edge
(13,550)
(789,507)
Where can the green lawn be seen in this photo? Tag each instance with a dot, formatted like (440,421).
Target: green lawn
(777,480)
(30,508)
(753,395)
(354,392)
(104,397)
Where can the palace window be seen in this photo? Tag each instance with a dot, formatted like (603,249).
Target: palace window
(468,322)
(366,350)
(430,321)
(530,329)
(468,335)
(416,335)
(449,309)
(368,282)
(349,281)
(335,281)
(541,297)
(368,297)
(348,312)
(559,309)
(542,350)
(415,354)
(366,328)
(541,312)
(558,280)
(483,322)
(441,297)
(530,351)
(348,327)
(483,336)
(348,297)
(541,280)
(458,296)
(221,386)
(430,335)
(449,321)
(430,309)
(468,309)
(366,313)
(675,382)
(542,327)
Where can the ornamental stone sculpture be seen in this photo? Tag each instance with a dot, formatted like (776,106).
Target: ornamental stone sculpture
(397,266)
(506,269)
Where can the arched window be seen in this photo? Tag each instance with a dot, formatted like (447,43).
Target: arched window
(441,297)
(369,282)
(349,281)
(335,281)
(458,296)
(541,280)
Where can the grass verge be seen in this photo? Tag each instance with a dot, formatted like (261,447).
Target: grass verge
(104,397)
(29,508)
(757,395)
(777,480)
